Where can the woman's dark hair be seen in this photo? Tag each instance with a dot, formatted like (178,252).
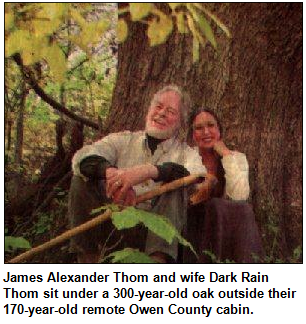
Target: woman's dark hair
(219,189)
(195,113)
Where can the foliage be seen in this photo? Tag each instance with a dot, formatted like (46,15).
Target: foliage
(35,30)
(294,258)
(159,225)
(128,255)
(13,243)
(43,224)
(87,87)
(130,217)
(187,17)
(214,258)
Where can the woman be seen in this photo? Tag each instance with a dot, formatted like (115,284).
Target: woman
(224,227)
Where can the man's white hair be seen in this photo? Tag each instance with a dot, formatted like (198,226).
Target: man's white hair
(184,102)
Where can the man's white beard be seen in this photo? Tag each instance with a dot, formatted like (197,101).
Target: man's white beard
(161,134)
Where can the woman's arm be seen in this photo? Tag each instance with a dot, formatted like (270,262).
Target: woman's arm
(236,169)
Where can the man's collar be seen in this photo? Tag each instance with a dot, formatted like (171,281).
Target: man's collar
(165,144)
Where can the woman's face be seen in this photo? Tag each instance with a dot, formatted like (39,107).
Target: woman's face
(205,131)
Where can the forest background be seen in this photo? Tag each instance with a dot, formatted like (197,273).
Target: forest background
(68,82)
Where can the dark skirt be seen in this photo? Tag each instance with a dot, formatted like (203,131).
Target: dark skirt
(223,231)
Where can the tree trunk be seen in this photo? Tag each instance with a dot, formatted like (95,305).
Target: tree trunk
(19,129)
(9,135)
(253,82)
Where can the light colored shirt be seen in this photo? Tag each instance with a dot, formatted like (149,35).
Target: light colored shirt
(236,170)
(127,149)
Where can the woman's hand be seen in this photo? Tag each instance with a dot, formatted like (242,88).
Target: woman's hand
(204,189)
(221,148)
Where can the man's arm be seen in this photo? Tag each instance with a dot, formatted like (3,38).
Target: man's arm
(94,167)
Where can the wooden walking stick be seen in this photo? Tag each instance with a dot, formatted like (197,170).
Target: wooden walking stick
(182,182)
(204,190)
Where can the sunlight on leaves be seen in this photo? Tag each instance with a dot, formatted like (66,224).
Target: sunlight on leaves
(33,50)
(159,30)
(181,24)
(9,20)
(195,50)
(57,62)
(122,30)
(16,41)
(206,29)
(203,24)
(139,10)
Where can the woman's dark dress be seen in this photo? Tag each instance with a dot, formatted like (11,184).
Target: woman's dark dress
(223,230)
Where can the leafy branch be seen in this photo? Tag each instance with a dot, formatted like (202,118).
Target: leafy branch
(187,17)
(28,75)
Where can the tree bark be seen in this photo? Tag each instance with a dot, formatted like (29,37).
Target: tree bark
(253,82)
(19,129)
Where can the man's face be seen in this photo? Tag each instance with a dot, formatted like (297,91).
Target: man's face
(164,118)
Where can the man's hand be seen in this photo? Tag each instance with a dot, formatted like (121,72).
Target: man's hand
(221,148)
(128,200)
(119,181)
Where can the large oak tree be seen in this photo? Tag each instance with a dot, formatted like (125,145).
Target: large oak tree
(254,82)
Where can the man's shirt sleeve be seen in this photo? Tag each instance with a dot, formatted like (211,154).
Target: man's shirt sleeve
(108,148)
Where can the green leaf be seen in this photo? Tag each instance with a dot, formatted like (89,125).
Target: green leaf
(122,30)
(9,20)
(203,24)
(195,50)
(159,30)
(139,10)
(181,24)
(297,252)
(197,39)
(157,224)
(92,33)
(127,218)
(206,29)
(57,62)
(34,50)
(211,255)
(43,28)
(214,18)
(52,10)
(13,243)
(130,256)
(78,18)
(16,41)
(49,18)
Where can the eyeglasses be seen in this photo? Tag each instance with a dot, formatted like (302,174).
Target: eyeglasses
(167,110)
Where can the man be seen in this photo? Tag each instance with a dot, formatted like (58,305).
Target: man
(123,165)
